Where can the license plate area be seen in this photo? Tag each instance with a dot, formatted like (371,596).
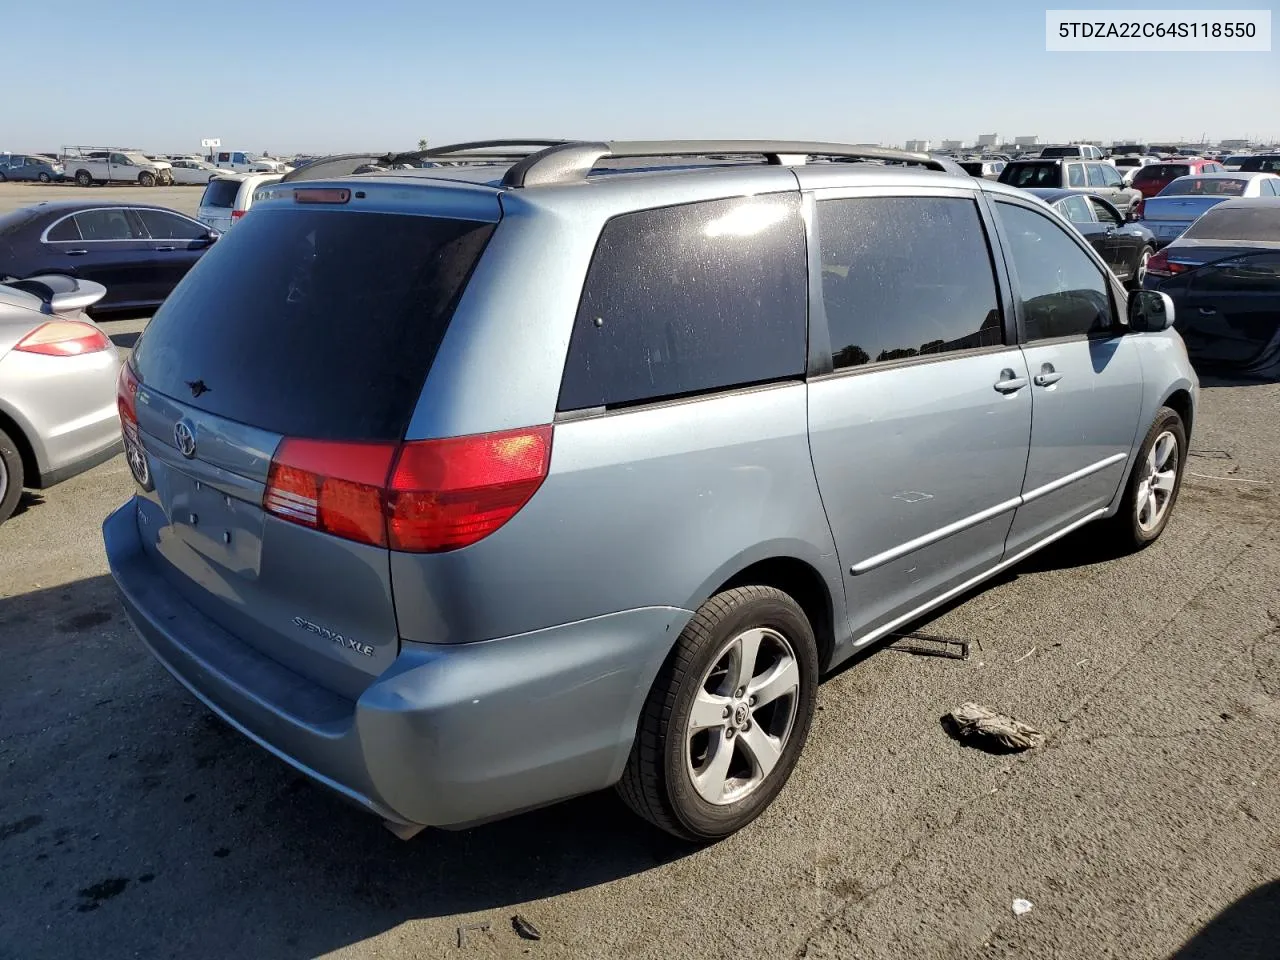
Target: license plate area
(224,530)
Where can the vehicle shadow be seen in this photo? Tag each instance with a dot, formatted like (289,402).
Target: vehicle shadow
(1249,929)
(117,777)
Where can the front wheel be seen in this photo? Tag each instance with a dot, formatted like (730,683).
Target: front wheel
(147,179)
(1153,485)
(1140,269)
(727,716)
(44,178)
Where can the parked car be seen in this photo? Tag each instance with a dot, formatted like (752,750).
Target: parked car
(194,171)
(1126,247)
(990,169)
(17,166)
(88,167)
(1086,151)
(1099,179)
(227,198)
(1128,167)
(315,546)
(1232,163)
(1176,206)
(57,375)
(1154,177)
(1223,275)
(241,161)
(1263,162)
(138,252)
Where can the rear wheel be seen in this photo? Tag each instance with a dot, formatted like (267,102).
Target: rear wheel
(11,477)
(1153,485)
(84,178)
(44,178)
(147,179)
(727,716)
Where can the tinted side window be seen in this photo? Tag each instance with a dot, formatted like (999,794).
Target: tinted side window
(1104,213)
(1095,175)
(1076,209)
(905,277)
(1111,176)
(692,298)
(1063,292)
(1075,175)
(106,225)
(64,231)
(167,226)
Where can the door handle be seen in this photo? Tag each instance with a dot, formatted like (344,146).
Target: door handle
(75,253)
(1008,383)
(166,249)
(1207,311)
(1047,376)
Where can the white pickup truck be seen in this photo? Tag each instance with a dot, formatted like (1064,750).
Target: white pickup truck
(88,166)
(242,161)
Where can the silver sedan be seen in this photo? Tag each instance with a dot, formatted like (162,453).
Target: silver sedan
(58,375)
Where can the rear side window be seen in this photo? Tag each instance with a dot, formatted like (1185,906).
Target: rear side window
(64,230)
(1075,175)
(313,323)
(905,277)
(220,193)
(1063,293)
(162,225)
(689,299)
(1096,177)
(115,224)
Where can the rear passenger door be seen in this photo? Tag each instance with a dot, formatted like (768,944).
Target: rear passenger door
(174,244)
(1086,377)
(919,399)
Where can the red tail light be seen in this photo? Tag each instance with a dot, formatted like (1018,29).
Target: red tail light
(1161,266)
(423,496)
(237,214)
(127,402)
(64,338)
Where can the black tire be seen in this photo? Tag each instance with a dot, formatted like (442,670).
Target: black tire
(1140,268)
(657,783)
(11,476)
(1128,533)
(84,178)
(3,178)
(147,179)
(44,178)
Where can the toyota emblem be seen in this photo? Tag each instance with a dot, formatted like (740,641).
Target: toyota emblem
(184,438)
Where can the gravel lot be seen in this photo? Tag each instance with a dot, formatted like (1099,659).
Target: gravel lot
(1148,826)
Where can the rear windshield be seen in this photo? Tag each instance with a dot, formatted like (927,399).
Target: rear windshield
(1237,223)
(1032,175)
(1161,171)
(1060,152)
(220,193)
(1205,186)
(972,168)
(1127,162)
(313,323)
(1260,164)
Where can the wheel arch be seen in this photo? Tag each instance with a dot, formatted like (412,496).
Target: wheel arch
(26,451)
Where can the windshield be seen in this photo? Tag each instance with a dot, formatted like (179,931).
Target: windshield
(1060,152)
(1258,223)
(1205,187)
(138,158)
(1032,175)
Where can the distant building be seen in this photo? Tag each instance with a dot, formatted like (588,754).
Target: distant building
(919,146)
(988,139)
(1026,141)
(952,144)
(1234,144)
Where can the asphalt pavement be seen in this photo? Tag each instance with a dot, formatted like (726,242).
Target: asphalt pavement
(133,824)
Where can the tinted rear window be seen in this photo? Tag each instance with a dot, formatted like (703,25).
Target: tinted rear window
(1061,152)
(688,299)
(313,323)
(220,193)
(1260,164)
(1162,171)
(1032,174)
(1237,223)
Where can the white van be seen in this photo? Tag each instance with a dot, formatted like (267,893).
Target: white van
(242,161)
(227,198)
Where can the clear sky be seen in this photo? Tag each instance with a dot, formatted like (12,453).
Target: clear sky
(330,75)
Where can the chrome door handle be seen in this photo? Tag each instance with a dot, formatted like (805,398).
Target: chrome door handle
(75,253)
(165,248)
(1047,379)
(1008,383)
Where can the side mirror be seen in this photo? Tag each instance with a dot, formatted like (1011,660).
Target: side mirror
(1150,311)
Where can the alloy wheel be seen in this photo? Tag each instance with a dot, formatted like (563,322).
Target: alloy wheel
(742,716)
(1159,479)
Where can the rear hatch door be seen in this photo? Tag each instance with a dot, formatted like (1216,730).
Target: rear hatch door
(308,325)
(218,201)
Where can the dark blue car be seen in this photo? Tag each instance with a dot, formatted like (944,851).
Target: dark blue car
(138,252)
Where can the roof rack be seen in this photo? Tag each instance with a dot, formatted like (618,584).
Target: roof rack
(346,164)
(571,162)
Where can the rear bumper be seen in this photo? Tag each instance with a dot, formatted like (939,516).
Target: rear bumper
(451,734)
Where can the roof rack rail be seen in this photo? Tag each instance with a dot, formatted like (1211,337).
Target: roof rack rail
(571,162)
(346,164)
